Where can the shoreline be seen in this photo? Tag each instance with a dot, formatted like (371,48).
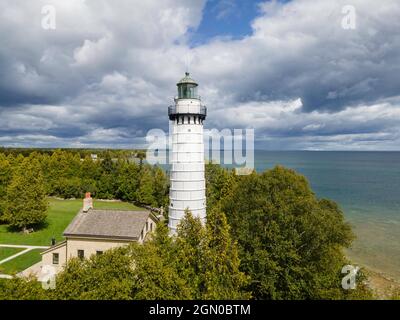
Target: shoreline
(382,285)
(380,282)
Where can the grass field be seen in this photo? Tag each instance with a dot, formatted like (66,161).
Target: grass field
(60,214)
(8,252)
(21,262)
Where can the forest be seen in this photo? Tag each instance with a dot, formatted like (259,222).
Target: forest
(267,235)
(32,176)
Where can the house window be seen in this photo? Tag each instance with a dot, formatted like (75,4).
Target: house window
(141,235)
(151,227)
(147,226)
(99,253)
(56,258)
(81,254)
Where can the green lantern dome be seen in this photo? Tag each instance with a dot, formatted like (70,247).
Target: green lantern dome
(186,79)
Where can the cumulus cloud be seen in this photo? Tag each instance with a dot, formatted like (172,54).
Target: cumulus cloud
(106,75)
(286,125)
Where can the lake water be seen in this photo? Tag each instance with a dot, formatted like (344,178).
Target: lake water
(367,187)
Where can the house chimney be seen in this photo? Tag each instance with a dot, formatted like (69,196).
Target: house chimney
(87,202)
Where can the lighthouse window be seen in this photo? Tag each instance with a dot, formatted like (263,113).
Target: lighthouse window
(189,130)
(187,91)
(193,91)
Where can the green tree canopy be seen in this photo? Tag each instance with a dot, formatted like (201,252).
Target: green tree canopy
(5,178)
(160,187)
(26,203)
(145,192)
(291,243)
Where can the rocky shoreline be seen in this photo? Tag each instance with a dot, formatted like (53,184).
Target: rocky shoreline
(383,286)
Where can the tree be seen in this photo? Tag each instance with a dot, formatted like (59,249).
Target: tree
(291,243)
(26,203)
(69,188)
(395,294)
(160,187)
(21,289)
(145,193)
(189,248)
(5,177)
(128,181)
(207,258)
(89,169)
(106,186)
(141,155)
(66,175)
(107,164)
(157,278)
(216,179)
(224,280)
(109,276)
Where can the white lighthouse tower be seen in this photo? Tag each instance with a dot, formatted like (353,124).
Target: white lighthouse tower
(188,190)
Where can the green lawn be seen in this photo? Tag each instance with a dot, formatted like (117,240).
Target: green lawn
(60,214)
(8,252)
(21,262)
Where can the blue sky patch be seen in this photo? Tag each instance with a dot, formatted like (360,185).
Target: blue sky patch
(226,19)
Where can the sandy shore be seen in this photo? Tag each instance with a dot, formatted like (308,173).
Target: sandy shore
(381,284)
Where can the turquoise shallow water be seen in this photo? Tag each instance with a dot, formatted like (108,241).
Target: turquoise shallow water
(367,187)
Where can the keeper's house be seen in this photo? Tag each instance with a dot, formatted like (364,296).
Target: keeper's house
(95,231)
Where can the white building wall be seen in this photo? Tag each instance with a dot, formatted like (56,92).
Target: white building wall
(61,250)
(91,246)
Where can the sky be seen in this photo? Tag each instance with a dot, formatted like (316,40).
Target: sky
(304,74)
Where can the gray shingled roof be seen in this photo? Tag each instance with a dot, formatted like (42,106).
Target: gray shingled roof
(108,224)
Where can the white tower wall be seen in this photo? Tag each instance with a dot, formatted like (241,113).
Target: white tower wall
(188,189)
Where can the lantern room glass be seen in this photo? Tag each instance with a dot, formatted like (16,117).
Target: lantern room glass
(187,91)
